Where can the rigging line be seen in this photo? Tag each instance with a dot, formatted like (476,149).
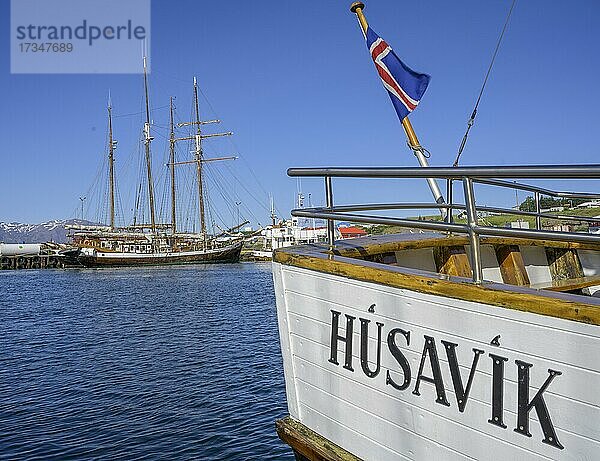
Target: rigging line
(213,209)
(242,157)
(98,176)
(474,113)
(138,195)
(101,209)
(223,191)
(228,199)
(260,203)
(171,76)
(129,175)
(118,206)
(236,179)
(237,149)
(163,185)
(152,109)
(188,191)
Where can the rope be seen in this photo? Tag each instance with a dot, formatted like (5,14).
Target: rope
(474,113)
(416,149)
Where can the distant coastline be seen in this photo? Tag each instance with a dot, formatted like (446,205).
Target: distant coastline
(49,231)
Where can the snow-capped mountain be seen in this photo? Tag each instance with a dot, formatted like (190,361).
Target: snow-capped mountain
(51,231)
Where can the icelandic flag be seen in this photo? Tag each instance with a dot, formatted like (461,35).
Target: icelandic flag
(404,85)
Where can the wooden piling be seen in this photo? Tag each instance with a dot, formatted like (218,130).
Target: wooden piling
(16,262)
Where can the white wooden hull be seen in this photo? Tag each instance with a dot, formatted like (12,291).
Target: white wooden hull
(372,419)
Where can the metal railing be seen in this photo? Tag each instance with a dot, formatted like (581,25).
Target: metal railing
(488,175)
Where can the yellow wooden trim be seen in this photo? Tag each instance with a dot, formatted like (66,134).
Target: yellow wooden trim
(388,243)
(569,284)
(308,443)
(526,299)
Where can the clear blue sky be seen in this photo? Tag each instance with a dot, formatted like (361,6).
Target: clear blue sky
(295,83)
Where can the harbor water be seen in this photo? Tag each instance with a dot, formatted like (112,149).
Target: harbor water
(178,362)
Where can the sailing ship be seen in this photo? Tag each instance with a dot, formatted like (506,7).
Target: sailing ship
(465,341)
(157,243)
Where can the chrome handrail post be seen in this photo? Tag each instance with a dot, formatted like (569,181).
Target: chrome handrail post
(449,194)
(329,204)
(538,217)
(471,210)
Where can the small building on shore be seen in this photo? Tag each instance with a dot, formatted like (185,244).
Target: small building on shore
(349,232)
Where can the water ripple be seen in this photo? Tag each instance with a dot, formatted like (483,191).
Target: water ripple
(140,364)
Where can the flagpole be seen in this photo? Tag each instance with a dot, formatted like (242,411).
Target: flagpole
(413,142)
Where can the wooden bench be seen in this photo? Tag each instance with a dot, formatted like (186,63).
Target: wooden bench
(568,284)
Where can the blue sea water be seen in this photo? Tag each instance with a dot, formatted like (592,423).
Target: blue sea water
(141,363)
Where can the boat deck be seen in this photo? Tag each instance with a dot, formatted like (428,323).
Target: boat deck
(365,322)
(539,276)
(352,321)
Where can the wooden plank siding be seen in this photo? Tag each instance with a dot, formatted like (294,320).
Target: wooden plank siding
(284,338)
(424,315)
(372,420)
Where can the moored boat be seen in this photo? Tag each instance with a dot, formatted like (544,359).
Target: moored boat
(392,351)
(463,340)
(90,257)
(157,243)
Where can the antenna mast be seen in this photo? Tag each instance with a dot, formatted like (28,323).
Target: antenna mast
(273,216)
(147,140)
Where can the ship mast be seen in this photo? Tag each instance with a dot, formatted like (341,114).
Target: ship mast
(198,158)
(111,170)
(198,155)
(147,140)
(172,165)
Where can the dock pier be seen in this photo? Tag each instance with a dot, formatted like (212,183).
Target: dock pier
(33,262)
(47,255)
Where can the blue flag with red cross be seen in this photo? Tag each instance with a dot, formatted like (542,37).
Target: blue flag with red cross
(404,85)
